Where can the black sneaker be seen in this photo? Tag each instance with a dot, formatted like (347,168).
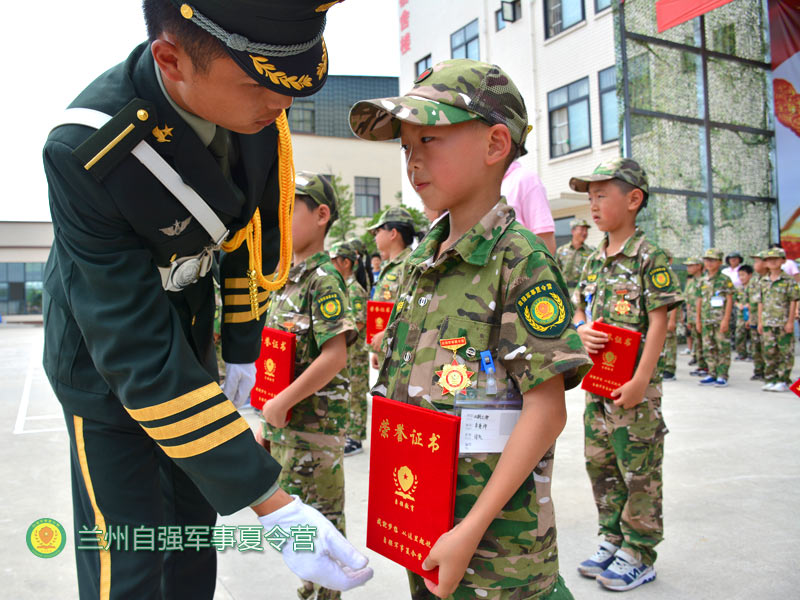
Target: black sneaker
(668,376)
(693,362)
(352,447)
(757,377)
(699,373)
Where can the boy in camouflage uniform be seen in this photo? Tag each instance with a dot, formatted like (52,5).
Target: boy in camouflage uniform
(777,306)
(742,340)
(626,282)
(482,279)
(668,360)
(753,290)
(345,257)
(713,310)
(571,256)
(694,268)
(313,305)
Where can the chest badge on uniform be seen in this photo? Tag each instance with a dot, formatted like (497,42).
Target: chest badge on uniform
(162,134)
(543,309)
(330,305)
(660,277)
(387,295)
(591,277)
(176,228)
(623,307)
(454,378)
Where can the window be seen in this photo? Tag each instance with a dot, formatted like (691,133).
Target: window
(563,232)
(464,42)
(561,14)
(601,5)
(301,116)
(421,65)
(569,118)
(21,288)
(499,22)
(368,196)
(609,123)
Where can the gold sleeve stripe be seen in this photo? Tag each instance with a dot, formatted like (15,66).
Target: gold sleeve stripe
(237,282)
(243,299)
(243,316)
(99,520)
(109,146)
(193,423)
(207,442)
(176,405)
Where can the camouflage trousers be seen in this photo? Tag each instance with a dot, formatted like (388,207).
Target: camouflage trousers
(558,591)
(317,476)
(743,343)
(624,451)
(716,350)
(669,355)
(697,346)
(359,388)
(778,355)
(757,351)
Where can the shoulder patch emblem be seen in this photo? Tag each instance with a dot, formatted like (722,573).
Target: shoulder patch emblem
(660,277)
(591,277)
(543,310)
(391,277)
(330,305)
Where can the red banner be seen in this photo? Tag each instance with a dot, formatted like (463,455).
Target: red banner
(670,13)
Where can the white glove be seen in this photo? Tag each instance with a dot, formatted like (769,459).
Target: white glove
(334,564)
(239,380)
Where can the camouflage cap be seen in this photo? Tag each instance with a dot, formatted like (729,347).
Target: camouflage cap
(450,92)
(318,188)
(345,250)
(693,260)
(395,214)
(758,255)
(713,253)
(774,253)
(578,223)
(358,245)
(624,169)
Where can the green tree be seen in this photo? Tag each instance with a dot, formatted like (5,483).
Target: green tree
(345,224)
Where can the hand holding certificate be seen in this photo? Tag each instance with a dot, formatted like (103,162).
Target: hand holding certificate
(614,362)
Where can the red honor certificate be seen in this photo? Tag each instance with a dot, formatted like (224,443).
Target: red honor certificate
(412,481)
(795,387)
(377,317)
(274,367)
(615,363)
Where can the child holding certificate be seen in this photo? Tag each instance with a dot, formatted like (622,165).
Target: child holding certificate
(482,319)
(626,282)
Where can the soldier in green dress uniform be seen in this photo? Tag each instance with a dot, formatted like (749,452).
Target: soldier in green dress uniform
(571,256)
(156,164)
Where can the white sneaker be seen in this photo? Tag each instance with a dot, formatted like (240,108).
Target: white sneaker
(625,573)
(599,561)
(779,387)
(767,387)
(686,351)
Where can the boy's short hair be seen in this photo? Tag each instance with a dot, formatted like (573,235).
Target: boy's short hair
(626,173)
(315,190)
(450,92)
(746,269)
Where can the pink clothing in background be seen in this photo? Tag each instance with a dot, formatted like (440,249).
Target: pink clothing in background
(525,193)
(790,268)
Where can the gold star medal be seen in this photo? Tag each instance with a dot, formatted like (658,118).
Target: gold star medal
(455,377)
(623,307)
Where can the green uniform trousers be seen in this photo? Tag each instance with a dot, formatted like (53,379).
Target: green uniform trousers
(697,347)
(778,355)
(716,350)
(757,351)
(122,479)
(624,451)
(559,591)
(669,355)
(316,476)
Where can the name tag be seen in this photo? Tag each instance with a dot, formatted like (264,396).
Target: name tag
(717,302)
(485,430)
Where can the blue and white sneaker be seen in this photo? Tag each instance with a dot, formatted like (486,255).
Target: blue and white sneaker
(599,561)
(709,380)
(721,382)
(625,573)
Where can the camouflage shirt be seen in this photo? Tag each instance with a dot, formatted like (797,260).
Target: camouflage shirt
(690,295)
(357,354)
(570,260)
(713,295)
(776,297)
(480,289)
(625,287)
(752,291)
(313,305)
(385,289)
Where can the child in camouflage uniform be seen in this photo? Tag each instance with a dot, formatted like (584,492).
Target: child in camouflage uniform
(313,305)
(668,360)
(753,290)
(694,268)
(743,340)
(626,282)
(345,259)
(571,256)
(480,276)
(777,306)
(713,310)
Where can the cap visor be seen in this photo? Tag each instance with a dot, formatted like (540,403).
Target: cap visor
(379,119)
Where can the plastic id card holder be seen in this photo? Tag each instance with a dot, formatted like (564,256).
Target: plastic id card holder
(717,301)
(486,430)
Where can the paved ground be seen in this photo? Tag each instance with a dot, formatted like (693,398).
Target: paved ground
(731,482)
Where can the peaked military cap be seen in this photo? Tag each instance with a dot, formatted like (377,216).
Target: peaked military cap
(450,92)
(318,188)
(358,245)
(624,169)
(345,250)
(774,253)
(395,214)
(578,223)
(713,254)
(278,43)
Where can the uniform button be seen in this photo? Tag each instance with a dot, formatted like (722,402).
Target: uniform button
(142,114)
(407,356)
(471,352)
(423,301)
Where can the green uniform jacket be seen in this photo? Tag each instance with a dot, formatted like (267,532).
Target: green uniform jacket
(116,344)
(386,287)
(776,296)
(713,295)
(570,260)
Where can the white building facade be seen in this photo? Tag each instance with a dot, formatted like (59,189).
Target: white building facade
(560,54)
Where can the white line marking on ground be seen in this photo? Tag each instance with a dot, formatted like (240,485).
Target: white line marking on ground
(19,426)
